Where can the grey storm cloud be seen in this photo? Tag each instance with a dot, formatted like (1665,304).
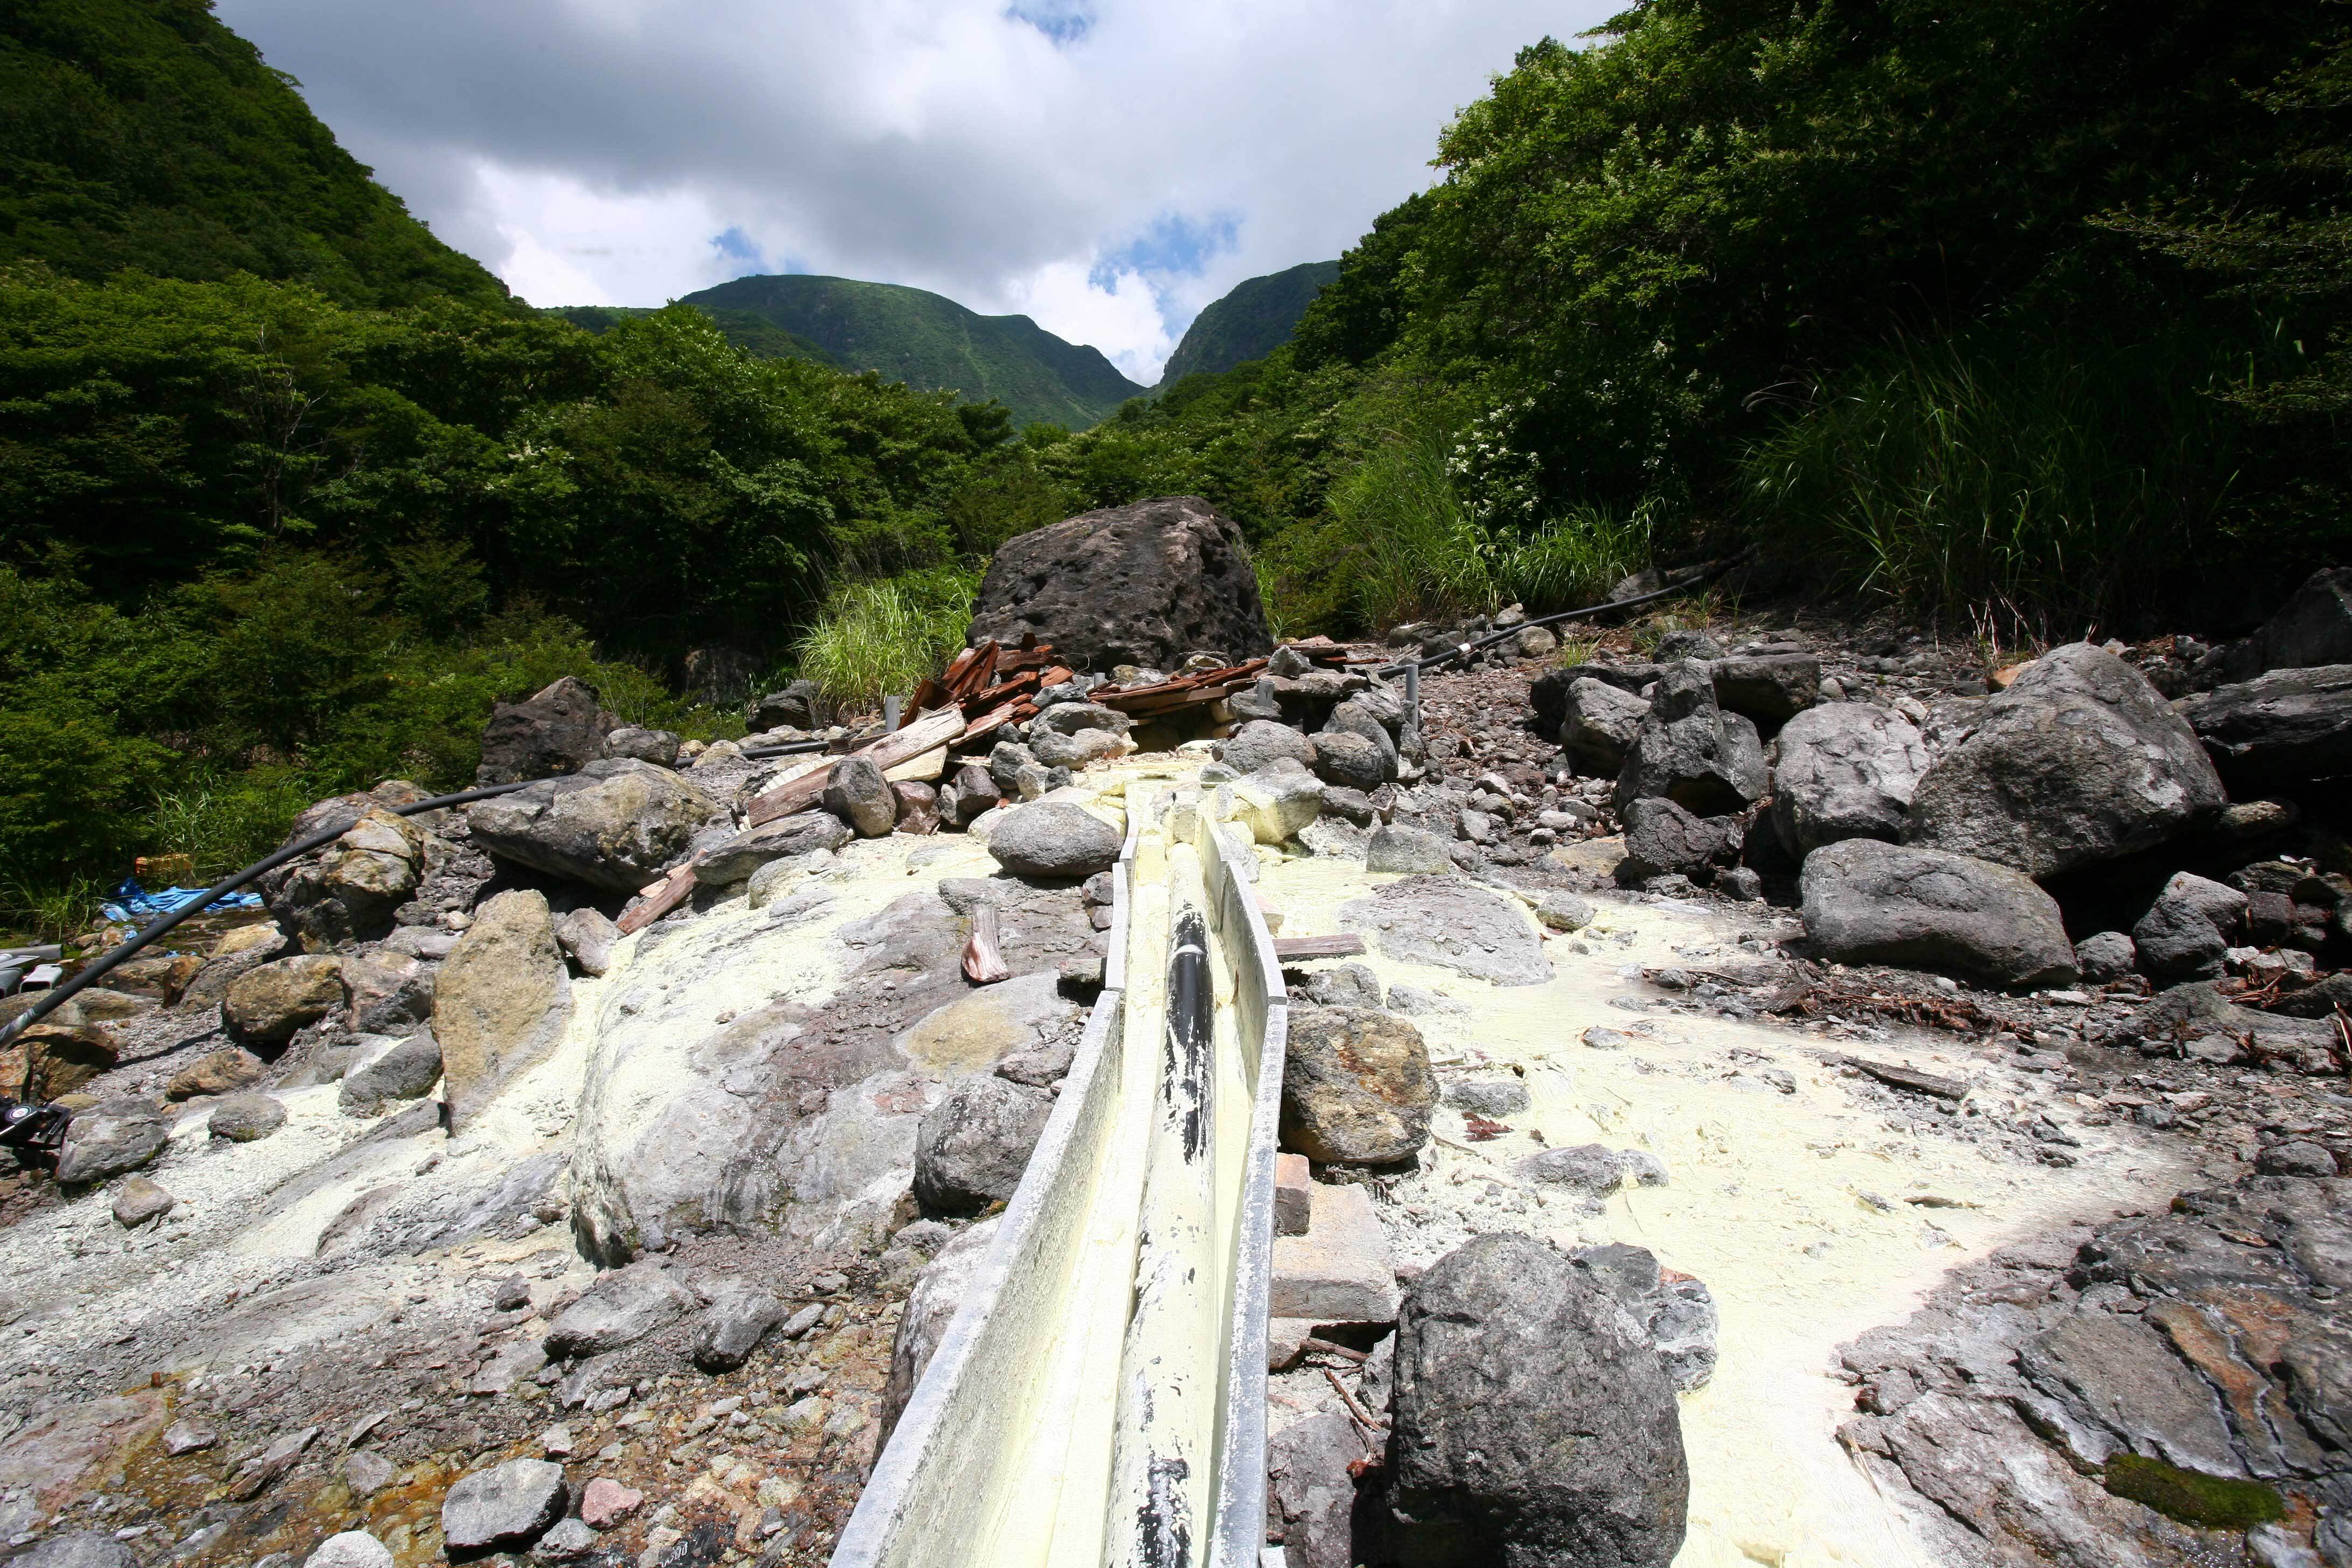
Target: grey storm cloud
(998,155)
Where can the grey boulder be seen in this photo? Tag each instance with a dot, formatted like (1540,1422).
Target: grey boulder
(1073,718)
(616,824)
(1770,689)
(621,1308)
(1489,1097)
(1452,924)
(586,937)
(1689,751)
(734,860)
(407,1071)
(2080,761)
(349,890)
(1357,1087)
(2105,955)
(1076,749)
(797,706)
(389,990)
(1261,742)
(1532,1424)
(658,747)
(559,729)
(2181,936)
(506,1505)
(1054,840)
(939,1290)
(77,1549)
(974,1143)
(1350,761)
(855,792)
(1412,851)
(1598,725)
(1677,1312)
(246,1117)
(1871,902)
(732,1326)
(112,1137)
(2284,729)
(1846,770)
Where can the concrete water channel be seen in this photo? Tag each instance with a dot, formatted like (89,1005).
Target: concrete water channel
(1100,1396)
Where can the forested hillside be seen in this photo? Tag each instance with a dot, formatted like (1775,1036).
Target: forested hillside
(144,134)
(1252,318)
(931,344)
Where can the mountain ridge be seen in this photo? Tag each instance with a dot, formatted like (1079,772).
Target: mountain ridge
(1253,318)
(927,341)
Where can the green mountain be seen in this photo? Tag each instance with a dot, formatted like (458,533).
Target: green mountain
(144,134)
(1248,323)
(928,341)
(751,333)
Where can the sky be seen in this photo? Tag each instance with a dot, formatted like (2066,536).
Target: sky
(1107,167)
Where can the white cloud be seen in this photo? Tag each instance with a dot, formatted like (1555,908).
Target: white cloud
(1120,315)
(1004,156)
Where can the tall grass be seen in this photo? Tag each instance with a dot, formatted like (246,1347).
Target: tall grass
(227,822)
(1416,546)
(51,912)
(1420,552)
(2042,479)
(879,637)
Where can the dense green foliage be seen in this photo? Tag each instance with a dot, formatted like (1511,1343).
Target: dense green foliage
(926,341)
(144,134)
(1253,320)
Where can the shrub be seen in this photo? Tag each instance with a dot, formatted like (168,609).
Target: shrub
(876,638)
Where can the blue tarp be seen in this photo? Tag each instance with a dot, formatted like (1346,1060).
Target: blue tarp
(132,903)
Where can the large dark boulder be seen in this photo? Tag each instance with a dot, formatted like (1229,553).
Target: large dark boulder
(2313,627)
(2287,728)
(558,731)
(1869,902)
(1143,585)
(1689,751)
(1532,1424)
(2080,761)
(1662,839)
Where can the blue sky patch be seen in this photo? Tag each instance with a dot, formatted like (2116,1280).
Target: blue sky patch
(1064,21)
(1174,246)
(741,252)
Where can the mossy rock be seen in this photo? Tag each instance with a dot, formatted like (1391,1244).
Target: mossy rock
(2216,1502)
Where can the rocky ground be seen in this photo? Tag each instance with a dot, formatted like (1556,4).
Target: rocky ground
(439,1209)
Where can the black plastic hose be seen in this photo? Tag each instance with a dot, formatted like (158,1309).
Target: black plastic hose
(1671,591)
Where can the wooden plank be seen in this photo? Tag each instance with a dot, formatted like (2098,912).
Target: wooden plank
(984,957)
(1055,675)
(1292,949)
(1896,1076)
(670,893)
(926,733)
(995,719)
